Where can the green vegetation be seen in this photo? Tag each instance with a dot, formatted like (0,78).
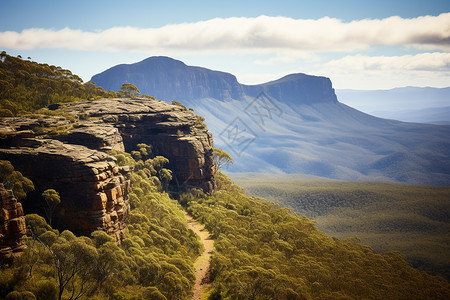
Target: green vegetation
(262,251)
(27,86)
(199,123)
(154,261)
(221,158)
(179,104)
(52,200)
(14,180)
(411,219)
(265,252)
(128,90)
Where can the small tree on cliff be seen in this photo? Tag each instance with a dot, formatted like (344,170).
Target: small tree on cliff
(221,158)
(128,90)
(52,200)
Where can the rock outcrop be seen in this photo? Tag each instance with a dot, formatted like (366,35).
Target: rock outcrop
(173,131)
(67,154)
(12,224)
(92,187)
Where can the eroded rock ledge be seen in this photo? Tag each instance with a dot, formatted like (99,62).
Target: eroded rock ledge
(173,131)
(92,187)
(70,156)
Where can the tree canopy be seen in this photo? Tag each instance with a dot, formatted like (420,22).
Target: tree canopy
(14,180)
(26,86)
(52,200)
(221,158)
(128,90)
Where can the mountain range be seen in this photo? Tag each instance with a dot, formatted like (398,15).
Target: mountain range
(410,104)
(295,124)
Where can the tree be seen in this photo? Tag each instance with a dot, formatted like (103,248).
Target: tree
(129,90)
(52,200)
(146,151)
(75,263)
(221,158)
(14,180)
(165,176)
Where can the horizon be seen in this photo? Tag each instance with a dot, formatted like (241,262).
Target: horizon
(365,46)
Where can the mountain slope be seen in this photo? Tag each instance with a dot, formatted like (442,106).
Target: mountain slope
(294,125)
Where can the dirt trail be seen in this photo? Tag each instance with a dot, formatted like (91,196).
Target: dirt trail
(201,264)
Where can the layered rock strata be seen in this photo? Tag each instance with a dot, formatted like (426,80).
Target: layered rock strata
(92,187)
(67,154)
(173,131)
(12,224)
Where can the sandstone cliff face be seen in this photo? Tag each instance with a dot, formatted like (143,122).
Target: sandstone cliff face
(92,187)
(12,224)
(173,132)
(69,156)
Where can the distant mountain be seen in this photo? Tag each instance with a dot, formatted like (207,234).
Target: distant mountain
(294,125)
(432,115)
(409,104)
(168,79)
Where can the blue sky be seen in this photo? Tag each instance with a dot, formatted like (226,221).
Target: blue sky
(358,44)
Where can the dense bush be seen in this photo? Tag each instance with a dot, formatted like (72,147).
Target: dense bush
(387,216)
(263,251)
(155,261)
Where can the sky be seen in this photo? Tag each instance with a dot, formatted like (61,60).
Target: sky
(379,44)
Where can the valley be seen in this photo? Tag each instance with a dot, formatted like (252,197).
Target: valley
(116,195)
(389,217)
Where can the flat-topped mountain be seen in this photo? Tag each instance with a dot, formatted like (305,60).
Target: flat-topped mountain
(165,78)
(294,125)
(168,79)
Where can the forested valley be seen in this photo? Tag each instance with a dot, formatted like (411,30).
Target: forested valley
(262,250)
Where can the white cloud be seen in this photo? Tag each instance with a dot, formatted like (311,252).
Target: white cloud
(435,61)
(385,72)
(262,34)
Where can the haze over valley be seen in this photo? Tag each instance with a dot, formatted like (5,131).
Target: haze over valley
(295,124)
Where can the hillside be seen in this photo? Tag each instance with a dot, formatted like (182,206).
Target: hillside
(411,219)
(294,125)
(26,86)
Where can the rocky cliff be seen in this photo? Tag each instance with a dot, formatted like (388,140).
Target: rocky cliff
(12,224)
(93,189)
(173,131)
(296,89)
(68,155)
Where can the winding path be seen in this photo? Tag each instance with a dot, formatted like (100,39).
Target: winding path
(201,264)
